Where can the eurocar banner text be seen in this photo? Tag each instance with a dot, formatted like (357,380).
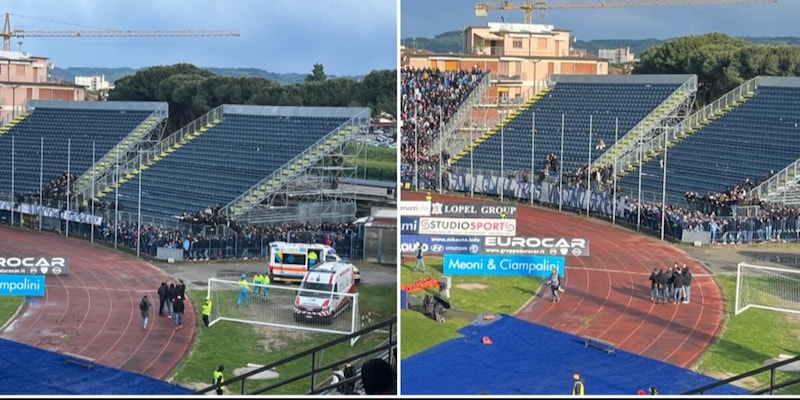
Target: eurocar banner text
(22,285)
(500,265)
(34,265)
(467,227)
(440,244)
(546,246)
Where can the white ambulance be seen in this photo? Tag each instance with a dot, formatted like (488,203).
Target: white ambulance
(289,262)
(324,292)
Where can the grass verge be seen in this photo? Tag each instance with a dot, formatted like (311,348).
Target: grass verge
(469,296)
(237,344)
(8,306)
(748,340)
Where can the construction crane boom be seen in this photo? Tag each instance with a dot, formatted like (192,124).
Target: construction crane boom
(529,6)
(8,33)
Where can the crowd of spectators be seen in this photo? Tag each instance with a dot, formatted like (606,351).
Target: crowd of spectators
(429,99)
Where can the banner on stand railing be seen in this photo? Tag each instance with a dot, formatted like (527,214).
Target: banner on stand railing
(545,192)
(35,209)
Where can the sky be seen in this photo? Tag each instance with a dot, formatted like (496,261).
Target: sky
(348,37)
(425,18)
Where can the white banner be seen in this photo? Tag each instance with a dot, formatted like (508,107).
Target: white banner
(35,209)
(467,226)
(415,208)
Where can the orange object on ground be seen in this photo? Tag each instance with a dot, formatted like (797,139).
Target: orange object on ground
(486,340)
(425,283)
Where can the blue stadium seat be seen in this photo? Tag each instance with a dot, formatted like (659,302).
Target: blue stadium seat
(759,135)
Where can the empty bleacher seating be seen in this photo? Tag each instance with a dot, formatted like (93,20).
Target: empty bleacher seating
(605,99)
(757,136)
(67,131)
(224,161)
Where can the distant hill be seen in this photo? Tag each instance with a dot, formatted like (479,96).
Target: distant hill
(113,74)
(452,42)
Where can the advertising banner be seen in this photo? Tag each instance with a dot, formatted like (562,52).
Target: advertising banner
(441,244)
(600,202)
(415,208)
(501,265)
(409,225)
(467,210)
(467,227)
(21,285)
(550,246)
(35,209)
(34,265)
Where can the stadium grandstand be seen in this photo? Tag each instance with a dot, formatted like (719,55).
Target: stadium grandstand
(229,182)
(595,131)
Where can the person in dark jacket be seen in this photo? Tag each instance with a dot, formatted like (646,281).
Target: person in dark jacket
(670,284)
(172,293)
(661,279)
(654,285)
(677,281)
(349,372)
(163,291)
(177,312)
(687,285)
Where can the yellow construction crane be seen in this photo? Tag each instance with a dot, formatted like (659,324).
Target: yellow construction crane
(529,6)
(20,33)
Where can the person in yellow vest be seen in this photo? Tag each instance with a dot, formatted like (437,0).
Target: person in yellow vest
(428,197)
(577,387)
(243,291)
(257,281)
(313,258)
(502,215)
(265,280)
(206,311)
(218,378)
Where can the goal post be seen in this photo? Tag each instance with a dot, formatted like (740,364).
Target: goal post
(768,288)
(274,305)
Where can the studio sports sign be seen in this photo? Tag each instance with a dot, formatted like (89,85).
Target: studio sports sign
(467,227)
(553,246)
(501,265)
(467,210)
(34,265)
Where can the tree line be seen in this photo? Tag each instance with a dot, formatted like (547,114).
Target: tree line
(191,91)
(720,62)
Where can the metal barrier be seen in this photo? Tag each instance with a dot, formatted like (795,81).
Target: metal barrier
(773,386)
(316,354)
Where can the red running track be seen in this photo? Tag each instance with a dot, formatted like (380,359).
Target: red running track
(94,310)
(607,295)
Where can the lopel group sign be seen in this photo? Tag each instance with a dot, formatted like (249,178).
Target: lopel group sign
(22,285)
(501,265)
(34,265)
(553,246)
(468,210)
(467,226)
(415,208)
(440,244)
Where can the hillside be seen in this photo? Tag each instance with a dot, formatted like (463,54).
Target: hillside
(113,74)
(451,42)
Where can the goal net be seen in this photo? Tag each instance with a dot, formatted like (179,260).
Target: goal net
(769,288)
(274,305)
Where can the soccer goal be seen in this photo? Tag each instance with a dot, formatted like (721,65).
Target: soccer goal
(769,288)
(277,305)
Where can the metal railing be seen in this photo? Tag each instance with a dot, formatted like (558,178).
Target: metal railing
(131,166)
(779,184)
(450,129)
(770,389)
(314,369)
(647,130)
(285,173)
